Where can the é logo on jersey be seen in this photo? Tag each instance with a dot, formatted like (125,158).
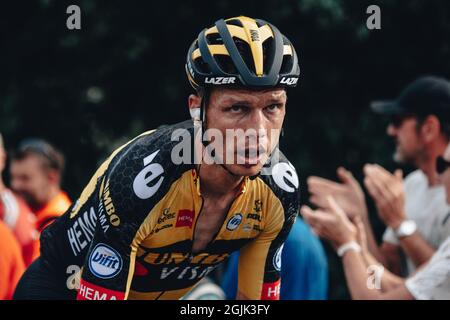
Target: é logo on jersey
(285,177)
(142,183)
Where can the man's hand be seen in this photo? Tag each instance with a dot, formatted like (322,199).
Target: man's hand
(331,224)
(386,189)
(348,194)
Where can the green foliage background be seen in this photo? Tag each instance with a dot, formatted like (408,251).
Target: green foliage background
(88,91)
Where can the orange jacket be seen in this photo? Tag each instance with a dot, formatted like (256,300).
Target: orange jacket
(48,213)
(17,216)
(11,263)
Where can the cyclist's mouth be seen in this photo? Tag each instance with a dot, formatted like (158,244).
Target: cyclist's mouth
(250,157)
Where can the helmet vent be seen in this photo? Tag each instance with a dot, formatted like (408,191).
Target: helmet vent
(246,53)
(268,54)
(287,64)
(201,65)
(226,64)
(214,38)
(235,22)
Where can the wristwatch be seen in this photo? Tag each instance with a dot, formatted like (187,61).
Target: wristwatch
(406,228)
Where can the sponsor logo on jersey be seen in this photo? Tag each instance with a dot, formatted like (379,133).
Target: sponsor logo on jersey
(178,258)
(234,222)
(149,180)
(166,215)
(254,216)
(82,231)
(277,258)
(89,291)
(158,229)
(289,81)
(185,218)
(271,291)
(105,262)
(186,273)
(220,80)
(284,175)
(114,219)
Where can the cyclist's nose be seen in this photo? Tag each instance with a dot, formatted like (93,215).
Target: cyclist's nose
(257,121)
(258,125)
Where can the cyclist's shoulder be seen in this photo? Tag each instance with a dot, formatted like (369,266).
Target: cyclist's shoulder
(149,147)
(141,173)
(162,138)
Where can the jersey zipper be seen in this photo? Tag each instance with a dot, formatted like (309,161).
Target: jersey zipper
(191,255)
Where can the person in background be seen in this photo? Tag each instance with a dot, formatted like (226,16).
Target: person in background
(16,215)
(420,125)
(11,263)
(366,277)
(304,267)
(36,172)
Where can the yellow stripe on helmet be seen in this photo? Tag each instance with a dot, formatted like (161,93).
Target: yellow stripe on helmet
(254,40)
(213,48)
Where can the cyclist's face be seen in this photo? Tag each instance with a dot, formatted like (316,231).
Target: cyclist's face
(255,119)
(31,180)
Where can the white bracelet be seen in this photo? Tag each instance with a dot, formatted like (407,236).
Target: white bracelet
(351,245)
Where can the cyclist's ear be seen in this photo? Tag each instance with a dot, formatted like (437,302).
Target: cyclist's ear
(194,101)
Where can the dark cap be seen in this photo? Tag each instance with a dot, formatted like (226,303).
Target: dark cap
(426,95)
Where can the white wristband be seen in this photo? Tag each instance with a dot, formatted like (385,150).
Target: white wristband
(351,245)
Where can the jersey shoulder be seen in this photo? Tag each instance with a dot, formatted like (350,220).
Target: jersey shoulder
(142,172)
(281,177)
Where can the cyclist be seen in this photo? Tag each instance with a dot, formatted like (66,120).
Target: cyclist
(148,227)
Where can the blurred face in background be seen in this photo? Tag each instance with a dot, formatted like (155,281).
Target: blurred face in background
(409,145)
(32,180)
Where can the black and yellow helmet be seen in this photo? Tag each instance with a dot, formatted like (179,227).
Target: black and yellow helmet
(243,52)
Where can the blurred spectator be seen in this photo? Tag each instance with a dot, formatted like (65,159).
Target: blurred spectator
(16,215)
(304,270)
(366,278)
(36,172)
(421,128)
(11,263)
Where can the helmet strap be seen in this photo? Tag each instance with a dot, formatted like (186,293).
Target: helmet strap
(204,104)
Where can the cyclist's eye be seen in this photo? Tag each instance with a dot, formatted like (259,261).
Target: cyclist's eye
(273,107)
(237,108)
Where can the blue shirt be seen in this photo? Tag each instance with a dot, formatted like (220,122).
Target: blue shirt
(304,268)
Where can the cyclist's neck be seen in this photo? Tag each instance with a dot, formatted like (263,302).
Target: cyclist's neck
(215,181)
